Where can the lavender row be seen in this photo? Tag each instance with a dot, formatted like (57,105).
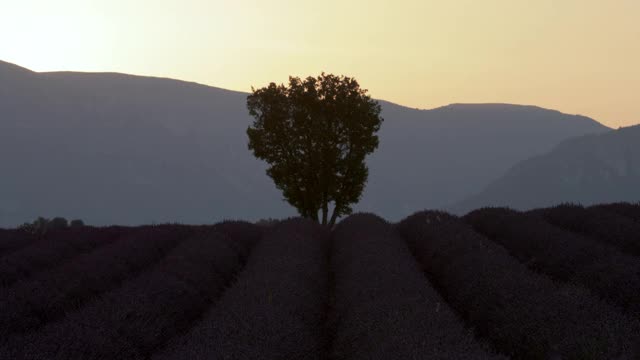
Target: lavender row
(604,226)
(139,317)
(29,305)
(276,308)
(629,210)
(12,240)
(384,307)
(55,248)
(525,315)
(563,255)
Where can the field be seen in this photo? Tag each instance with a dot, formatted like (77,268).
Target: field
(555,283)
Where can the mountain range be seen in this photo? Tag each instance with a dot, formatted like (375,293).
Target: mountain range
(590,169)
(121,149)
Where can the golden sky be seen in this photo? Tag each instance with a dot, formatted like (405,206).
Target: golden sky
(576,56)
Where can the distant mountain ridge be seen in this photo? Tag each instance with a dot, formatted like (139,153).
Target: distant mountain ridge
(450,152)
(116,148)
(588,170)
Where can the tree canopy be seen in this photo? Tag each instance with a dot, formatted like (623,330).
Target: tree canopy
(315,134)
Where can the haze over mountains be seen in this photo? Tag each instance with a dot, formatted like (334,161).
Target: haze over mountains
(121,149)
(590,169)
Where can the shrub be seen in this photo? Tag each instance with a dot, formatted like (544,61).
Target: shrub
(384,307)
(137,318)
(50,295)
(605,226)
(564,255)
(524,314)
(55,248)
(276,307)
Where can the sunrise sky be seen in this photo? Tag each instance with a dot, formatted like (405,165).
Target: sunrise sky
(576,56)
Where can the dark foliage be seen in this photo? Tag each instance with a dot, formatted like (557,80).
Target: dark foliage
(525,315)
(12,240)
(56,247)
(41,226)
(605,226)
(37,227)
(563,255)
(57,223)
(50,295)
(315,135)
(275,309)
(632,211)
(384,307)
(137,318)
(76,223)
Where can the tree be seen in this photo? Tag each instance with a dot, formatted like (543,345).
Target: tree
(41,226)
(77,223)
(37,227)
(315,135)
(57,223)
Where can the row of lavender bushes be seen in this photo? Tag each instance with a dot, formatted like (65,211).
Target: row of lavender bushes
(145,311)
(52,294)
(626,209)
(563,255)
(276,307)
(383,306)
(604,225)
(54,248)
(525,315)
(14,239)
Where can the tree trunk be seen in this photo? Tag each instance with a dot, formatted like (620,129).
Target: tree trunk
(325,210)
(334,217)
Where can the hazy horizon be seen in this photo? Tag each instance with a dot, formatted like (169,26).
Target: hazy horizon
(578,57)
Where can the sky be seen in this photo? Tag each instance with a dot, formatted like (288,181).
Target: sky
(576,56)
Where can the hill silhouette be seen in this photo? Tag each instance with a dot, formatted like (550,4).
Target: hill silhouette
(115,148)
(589,169)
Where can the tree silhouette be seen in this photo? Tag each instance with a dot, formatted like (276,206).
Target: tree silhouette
(315,135)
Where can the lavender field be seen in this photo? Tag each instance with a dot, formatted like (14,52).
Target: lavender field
(554,283)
